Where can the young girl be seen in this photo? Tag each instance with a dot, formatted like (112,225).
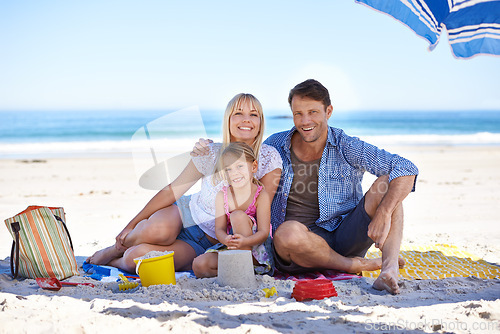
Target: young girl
(242,212)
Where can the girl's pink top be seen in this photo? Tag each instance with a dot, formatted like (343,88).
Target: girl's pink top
(251,211)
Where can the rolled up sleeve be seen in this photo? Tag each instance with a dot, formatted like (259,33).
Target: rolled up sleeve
(378,161)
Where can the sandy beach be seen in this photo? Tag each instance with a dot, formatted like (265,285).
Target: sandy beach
(456,203)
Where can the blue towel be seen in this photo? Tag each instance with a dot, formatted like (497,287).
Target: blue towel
(110,274)
(99,272)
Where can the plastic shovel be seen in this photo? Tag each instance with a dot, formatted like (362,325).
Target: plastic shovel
(52,283)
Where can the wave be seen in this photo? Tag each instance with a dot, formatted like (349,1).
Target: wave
(480,138)
(159,147)
(167,147)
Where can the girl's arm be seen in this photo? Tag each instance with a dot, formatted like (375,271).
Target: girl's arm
(220,219)
(263,205)
(165,197)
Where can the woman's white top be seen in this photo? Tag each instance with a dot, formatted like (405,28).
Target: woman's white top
(202,204)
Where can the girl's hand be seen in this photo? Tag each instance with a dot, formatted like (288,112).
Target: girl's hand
(227,239)
(201,147)
(237,241)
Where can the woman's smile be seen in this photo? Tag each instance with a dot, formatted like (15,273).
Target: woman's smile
(244,123)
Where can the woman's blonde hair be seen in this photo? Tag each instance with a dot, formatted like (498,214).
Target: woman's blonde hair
(234,150)
(235,104)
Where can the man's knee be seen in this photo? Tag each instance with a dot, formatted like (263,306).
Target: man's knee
(375,194)
(289,235)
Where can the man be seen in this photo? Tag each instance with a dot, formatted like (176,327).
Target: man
(320,218)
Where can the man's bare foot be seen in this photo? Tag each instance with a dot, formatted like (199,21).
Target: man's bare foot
(104,256)
(387,281)
(401,262)
(376,264)
(369,264)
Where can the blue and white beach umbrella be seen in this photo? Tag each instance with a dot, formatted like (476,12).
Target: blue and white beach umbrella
(473,26)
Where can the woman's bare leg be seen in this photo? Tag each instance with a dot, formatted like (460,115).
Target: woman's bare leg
(206,265)
(161,229)
(183,255)
(105,255)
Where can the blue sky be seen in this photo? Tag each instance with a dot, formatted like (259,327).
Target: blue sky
(163,55)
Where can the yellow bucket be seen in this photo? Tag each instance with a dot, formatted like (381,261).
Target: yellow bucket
(156,270)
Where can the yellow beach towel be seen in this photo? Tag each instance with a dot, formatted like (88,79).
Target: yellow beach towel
(437,261)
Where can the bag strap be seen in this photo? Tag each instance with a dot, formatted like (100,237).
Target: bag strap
(66,229)
(15,270)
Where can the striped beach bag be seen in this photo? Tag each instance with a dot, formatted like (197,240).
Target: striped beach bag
(42,245)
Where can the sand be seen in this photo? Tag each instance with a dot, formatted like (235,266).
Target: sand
(456,203)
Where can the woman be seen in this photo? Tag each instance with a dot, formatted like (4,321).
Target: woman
(185,224)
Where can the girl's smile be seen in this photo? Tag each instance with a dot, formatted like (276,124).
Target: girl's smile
(240,172)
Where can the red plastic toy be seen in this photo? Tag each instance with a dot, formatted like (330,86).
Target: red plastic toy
(313,289)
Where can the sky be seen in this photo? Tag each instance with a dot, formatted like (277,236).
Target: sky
(164,55)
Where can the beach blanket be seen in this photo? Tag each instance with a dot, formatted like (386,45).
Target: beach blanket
(332,275)
(438,261)
(111,274)
(422,262)
(105,273)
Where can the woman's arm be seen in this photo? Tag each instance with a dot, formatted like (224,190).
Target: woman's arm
(271,181)
(165,197)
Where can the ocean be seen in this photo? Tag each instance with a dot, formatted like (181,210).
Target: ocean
(43,134)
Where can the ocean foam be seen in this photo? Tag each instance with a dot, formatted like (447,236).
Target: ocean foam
(160,147)
(169,147)
(481,138)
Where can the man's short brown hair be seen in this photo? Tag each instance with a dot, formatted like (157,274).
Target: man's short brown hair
(312,89)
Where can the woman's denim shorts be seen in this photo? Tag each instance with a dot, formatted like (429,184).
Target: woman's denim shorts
(191,233)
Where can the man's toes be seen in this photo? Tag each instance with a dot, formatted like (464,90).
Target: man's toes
(386,282)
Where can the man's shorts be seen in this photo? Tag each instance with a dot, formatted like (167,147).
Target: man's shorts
(350,239)
(193,235)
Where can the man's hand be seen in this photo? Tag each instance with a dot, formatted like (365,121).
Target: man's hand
(201,147)
(378,230)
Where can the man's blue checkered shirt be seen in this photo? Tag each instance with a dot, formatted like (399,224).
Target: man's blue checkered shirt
(344,161)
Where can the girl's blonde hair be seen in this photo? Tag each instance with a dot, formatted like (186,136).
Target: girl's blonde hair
(235,104)
(234,150)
